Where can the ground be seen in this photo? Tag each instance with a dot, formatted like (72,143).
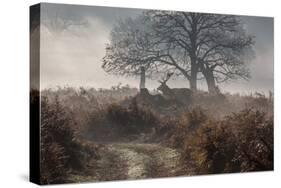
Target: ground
(131,160)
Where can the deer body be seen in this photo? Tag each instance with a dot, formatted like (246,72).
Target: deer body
(182,95)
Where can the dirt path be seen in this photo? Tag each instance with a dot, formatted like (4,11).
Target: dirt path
(122,161)
(139,160)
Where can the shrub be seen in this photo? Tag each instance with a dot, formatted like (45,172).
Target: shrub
(133,119)
(241,142)
(61,151)
(253,132)
(211,148)
(177,130)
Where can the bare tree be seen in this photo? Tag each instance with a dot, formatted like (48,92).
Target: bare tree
(134,44)
(217,45)
(225,55)
(188,43)
(59,20)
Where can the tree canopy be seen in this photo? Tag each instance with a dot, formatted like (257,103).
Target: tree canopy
(188,44)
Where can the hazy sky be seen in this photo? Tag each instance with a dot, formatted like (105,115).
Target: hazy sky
(72,55)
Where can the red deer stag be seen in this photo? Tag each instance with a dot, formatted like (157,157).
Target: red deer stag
(181,95)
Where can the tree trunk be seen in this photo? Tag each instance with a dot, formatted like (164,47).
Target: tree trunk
(142,78)
(211,84)
(193,80)
(193,75)
(210,79)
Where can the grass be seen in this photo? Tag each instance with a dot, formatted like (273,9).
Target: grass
(233,133)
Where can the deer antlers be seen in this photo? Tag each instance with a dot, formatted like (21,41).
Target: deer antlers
(165,79)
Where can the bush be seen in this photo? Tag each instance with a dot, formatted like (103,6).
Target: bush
(131,120)
(253,132)
(211,149)
(61,151)
(177,130)
(241,142)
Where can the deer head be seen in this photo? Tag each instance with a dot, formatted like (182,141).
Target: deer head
(163,86)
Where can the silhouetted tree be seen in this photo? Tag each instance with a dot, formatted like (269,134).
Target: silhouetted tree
(187,43)
(135,44)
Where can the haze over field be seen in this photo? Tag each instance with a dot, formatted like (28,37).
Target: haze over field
(96,125)
(72,52)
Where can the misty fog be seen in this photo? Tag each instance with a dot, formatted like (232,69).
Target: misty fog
(72,55)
